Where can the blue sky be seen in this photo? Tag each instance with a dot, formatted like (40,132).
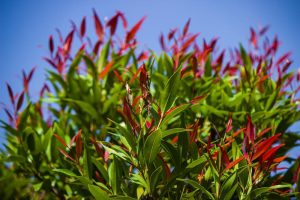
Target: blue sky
(25,26)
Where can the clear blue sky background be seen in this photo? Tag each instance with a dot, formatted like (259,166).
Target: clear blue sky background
(26,24)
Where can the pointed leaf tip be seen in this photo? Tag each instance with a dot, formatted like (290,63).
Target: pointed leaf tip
(131,34)
(83,27)
(98,26)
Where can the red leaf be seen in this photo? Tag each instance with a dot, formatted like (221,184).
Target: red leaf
(233,163)
(127,113)
(250,130)
(75,137)
(286,66)
(279,159)
(264,132)
(66,154)
(186,28)
(98,26)
(11,94)
(197,99)
(96,47)
(162,42)
(246,145)
(51,63)
(263,30)
(263,146)
(81,49)
(135,75)
(30,74)
(229,125)
(106,156)
(97,147)
(171,110)
(20,101)
(112,23)
(118,76)
(124,21)
(212,44)
(26,79)
(68,43)
(289,81)
(143,56)
(228,139)
(188,42)
(144,83)
(131,34)
(82,27)
(106,70)
(224,157)
(253,38)
(51,44)
(283,58)
(136,100)
(171,34)
(175,139)
(9,115)
(271,153)
(275,45)
(60,140)
(219,60)
(193,134)
(44,89)
(148,124)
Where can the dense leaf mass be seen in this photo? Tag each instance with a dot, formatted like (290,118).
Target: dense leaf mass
(114,121)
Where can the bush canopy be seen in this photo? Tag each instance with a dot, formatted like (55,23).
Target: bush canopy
(115,121)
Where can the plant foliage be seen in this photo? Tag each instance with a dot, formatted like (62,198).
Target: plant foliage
(117,122)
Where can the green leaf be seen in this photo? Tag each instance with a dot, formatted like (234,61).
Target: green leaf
(87,166)
(123,198)
(259,191)
(37,186)
(84,180)
(56,77)
(98,193)
(33,140)
(170,115)
(116,150)
(84,106)
(101,168)
(92,69)
(47,138)
(271,100)
(229,187)
(197,162)
(152,146)
(74,65)
(113,174)
(168,95)
(197,186)
(154,178)
(139,180)
(174,131)
(208,67)
(103,56)
(128,135)
(246,60)
(65,171)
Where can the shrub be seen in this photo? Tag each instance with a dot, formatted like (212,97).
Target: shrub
(117,122)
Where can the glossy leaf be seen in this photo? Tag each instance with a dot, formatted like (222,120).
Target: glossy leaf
(98,193)
(152,146)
